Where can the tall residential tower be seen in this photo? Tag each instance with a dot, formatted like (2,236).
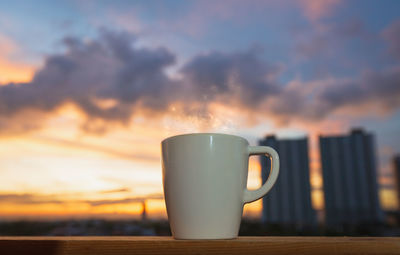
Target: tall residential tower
(396,163)
(289,201)
(350,179)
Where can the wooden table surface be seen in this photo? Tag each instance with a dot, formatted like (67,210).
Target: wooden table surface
(167,245)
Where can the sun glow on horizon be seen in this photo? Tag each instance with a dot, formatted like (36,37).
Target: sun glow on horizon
(62,173)
(69,167)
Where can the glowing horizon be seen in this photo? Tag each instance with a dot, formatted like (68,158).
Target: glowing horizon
(85,101)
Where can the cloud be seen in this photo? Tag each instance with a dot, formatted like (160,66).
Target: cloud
(110,80)
(392,35)
(124,200)
(121,190)
(373,87)
(30,198)
(109,68)
(10,69)
(316,9)
(329,39)
(372,92)
(97,148)
(240,77)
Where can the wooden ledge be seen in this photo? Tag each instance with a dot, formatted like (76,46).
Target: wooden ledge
(167,245)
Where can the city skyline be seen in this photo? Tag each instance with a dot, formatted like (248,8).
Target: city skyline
(89,89)
(139,203)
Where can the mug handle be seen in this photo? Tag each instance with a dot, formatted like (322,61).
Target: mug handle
(253,195)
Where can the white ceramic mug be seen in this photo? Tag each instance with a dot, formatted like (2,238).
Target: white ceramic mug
(205,180)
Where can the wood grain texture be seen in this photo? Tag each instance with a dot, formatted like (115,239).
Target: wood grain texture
(167,245)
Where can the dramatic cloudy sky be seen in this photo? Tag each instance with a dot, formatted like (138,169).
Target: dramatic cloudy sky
(88,89)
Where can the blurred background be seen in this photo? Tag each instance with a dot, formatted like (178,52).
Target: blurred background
(88,89)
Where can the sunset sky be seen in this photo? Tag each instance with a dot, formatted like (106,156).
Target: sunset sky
(88,89)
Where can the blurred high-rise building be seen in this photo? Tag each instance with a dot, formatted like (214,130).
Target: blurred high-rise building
(289,201)
(396,163)
(350,179)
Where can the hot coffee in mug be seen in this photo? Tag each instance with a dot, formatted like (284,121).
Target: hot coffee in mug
(205,183)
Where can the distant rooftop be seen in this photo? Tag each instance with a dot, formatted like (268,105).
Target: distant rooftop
(358,130)
(271,136)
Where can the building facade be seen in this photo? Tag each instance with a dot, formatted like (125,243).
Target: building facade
(396,164)
(350,179)
(289,201)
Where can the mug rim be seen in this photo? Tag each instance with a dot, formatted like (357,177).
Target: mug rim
(202,134)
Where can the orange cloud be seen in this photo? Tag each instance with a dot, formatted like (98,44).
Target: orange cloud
(32,204)
(112,89)
(10,70)
(316,9)
(149,157)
